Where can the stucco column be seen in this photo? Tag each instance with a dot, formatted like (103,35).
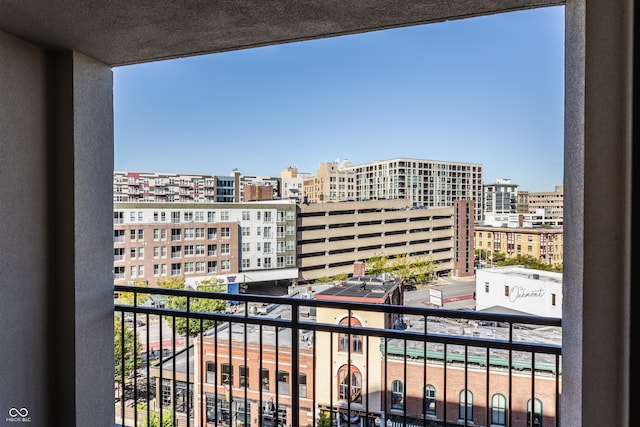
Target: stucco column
(56,286)
(597,248)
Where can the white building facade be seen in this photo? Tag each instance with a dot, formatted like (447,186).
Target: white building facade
(518,289)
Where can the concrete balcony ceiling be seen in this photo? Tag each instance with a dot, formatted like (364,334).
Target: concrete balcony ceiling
(121,32)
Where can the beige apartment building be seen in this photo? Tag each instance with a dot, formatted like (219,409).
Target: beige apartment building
(331,237)
(333,182)
(551,201)
(543,244)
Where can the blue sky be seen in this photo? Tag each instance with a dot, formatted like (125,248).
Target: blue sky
(484,90)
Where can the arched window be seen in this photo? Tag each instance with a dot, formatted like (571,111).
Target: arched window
(535,419)
(356,340)
(499,410)
(350,381)
(466,406)
(397,395)
(429,400)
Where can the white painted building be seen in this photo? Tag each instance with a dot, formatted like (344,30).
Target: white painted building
(515,289)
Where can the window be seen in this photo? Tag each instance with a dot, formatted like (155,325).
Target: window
(118,236)
(140,234)
(397,395)
(537,414)
(553,300)
(246,247)
(189,250)
(246,263)
(465,411)
(118,272)
(506,291)
(267,216)
(350,383)
(429,400)
(132,235)
(225,232)
(267,263)
(212,250)
(141,271)
(264,379)
(200,267)
(499,410)
(188,267)
(224,216)
(246,231)
(199,233)
(176,234)
(226,374)
(225,248)
(212,233)
(225,265)
(302,381)
(188,216)
(156,234)
(356,340)
(176,269)
(211,216)
(244,376)
(283,382)
(176,251)
(182,401)
(189,233)
(132,253)
(163,268)
(200,216)
(211,373)
(156,269)
(140,253)
(212,266)
(246,215)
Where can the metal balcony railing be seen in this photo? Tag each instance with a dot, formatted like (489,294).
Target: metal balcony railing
(293,361)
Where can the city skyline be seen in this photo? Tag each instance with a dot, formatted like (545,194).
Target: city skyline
(486,90)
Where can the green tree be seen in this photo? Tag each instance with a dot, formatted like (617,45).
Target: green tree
(153,420)
(203,305)
(411,270)
(131,353)
(127,298)
(376,265)
(324,421)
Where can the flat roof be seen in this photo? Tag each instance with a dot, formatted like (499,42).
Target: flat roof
(359,289)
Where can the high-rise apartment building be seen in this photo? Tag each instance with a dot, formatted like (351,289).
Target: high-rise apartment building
(333,182)
(240,243)
(142,187)
(500,198)
(551,201)
(292,184)
(429,183)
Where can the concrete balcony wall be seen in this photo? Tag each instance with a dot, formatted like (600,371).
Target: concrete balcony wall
(56,127)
